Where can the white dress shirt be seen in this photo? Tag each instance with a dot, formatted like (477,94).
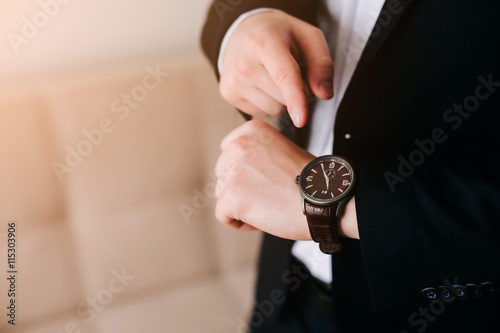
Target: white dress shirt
(347,27)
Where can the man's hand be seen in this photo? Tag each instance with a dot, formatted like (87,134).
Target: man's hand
(256,186)
(274,60)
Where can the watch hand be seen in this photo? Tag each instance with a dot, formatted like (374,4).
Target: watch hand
(326,178)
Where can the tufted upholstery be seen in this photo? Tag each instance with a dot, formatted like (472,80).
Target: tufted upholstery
(118,209)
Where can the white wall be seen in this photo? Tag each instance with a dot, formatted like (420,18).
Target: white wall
(88,32)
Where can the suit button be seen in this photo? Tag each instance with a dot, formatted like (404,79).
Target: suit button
(347,136)
(460,291)
(474,290)
(490,288)
(430,293)
(446,295)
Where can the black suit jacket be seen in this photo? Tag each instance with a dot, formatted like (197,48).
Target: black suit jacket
(422,112)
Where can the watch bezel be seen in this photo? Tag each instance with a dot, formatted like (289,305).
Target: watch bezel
(326,202)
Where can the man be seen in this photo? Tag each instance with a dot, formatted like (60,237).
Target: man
(415,110)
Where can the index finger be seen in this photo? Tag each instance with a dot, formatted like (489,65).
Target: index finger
(286,74)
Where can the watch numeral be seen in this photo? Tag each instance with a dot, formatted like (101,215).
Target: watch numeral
(324,192)
(332,165)
(309,178)
(345,182)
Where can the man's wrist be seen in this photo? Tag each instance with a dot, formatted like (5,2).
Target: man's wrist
(348,224)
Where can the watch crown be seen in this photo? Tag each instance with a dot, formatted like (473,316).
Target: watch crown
(297,179)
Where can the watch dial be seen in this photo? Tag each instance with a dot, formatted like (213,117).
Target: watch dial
(327,179)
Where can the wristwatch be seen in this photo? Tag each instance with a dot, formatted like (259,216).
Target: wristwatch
(326,185)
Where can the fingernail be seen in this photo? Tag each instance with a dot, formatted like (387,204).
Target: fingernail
(327,88)
(297,115)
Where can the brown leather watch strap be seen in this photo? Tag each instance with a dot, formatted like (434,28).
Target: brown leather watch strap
(323,223)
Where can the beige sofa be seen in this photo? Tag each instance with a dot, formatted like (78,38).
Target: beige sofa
(112,233)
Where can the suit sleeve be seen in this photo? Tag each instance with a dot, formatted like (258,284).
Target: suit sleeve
(222,14)
(440,222)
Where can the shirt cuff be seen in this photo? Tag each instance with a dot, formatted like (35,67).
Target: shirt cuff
(233,27)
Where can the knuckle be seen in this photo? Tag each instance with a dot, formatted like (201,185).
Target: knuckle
(325,62)
(255,124)
(219,186)
(267,135)
(233,167)
(265,36)
(221,171)
(257,127)
(243,67)
(239,145)
(316,32)
(244,151)
(326,65)
(283,76)
(276,109)
(218,170)
(262,132)
(258,41)
(224,179)
(227,91)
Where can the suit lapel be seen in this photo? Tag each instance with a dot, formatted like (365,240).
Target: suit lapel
(391,13)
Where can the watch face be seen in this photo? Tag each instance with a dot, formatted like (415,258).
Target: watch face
(326,180)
